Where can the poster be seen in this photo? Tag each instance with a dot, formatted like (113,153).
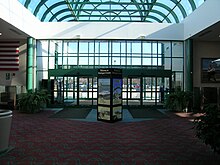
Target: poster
(117,91)
(210,70)
(117,113)
(104,91)
(103,113)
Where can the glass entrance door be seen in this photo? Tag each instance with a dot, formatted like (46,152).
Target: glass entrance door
(87,91)
(70,91)
(74,90)
(131,92)
(155,89)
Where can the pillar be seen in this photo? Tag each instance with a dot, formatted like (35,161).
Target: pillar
(188,69)
(29,69)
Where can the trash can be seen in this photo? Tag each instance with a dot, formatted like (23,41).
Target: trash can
(5,128)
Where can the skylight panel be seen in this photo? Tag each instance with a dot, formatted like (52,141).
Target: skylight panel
(40,14)
(171,18)
(47,18)
(161,9)
(112,10)
(32,6)
(178,13)
(150,20)
(198,2)
(187,6)
(51,2)
(157,16)
(22,1)
(166,2)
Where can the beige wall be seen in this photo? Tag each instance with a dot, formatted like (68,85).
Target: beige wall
(203,49)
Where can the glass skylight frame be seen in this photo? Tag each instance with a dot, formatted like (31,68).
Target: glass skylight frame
(162,11)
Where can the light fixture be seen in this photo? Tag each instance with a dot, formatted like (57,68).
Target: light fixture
(0,33)
(77,36)
(142,37)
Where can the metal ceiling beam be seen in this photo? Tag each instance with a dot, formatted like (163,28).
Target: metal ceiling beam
(193,5)
(40,4)
(181,8)
(108,10)
(170,11)
(71,9)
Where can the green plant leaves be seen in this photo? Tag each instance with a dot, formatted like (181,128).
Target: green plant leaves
(208,127)
(178,100)
(31,102)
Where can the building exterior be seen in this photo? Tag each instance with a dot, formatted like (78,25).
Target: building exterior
(155,57)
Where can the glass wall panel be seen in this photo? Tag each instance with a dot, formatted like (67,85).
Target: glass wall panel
(136,61)
(83,60)
(51,63)
(147,61)
(104,48)
(136,49)
(123,61)
(116,60)
(72,60)
(167,63)
(142,54)
(177,49)
(116,48)
(166,49)
(42,63)
(177,64)
(107,52)
(154,49)
(104,60)
(83,47)
(72,47)
(177,80)
(146,49)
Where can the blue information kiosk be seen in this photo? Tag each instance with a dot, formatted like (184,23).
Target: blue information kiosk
(109,95)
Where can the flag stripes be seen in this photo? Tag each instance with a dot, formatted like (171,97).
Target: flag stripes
(9,55)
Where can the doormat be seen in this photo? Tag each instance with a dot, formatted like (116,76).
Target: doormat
(72,113)
(147,113)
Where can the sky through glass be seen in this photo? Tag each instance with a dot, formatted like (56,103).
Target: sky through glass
(162,11)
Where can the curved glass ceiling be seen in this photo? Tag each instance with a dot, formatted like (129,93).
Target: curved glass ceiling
(162,11)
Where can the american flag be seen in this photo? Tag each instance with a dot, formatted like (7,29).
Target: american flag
(9,55)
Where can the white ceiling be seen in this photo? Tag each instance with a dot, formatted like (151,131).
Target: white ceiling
(9,32)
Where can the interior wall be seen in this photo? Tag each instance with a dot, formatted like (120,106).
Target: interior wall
(15,81)
(17,78)
(203,49)
(204,16)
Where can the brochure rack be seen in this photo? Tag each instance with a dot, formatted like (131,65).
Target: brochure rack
(109,95)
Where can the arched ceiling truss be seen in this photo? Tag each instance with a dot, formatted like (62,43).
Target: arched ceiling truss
(161,11)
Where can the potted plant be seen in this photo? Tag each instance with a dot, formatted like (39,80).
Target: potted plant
(33,101)
(178,100)
(208,127)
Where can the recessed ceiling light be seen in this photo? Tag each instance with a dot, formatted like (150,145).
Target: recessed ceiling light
(0,33)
